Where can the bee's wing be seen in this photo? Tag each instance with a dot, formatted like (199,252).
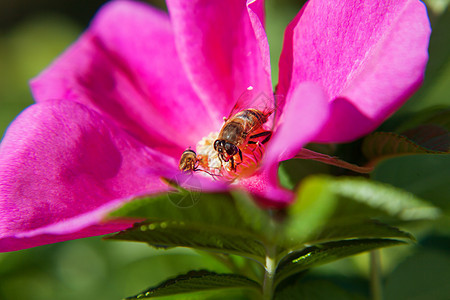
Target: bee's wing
(252,98)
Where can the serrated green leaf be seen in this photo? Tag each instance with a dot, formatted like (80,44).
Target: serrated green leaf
(219,209)
(385,144)
(335,207)
(209,207)
(217,222)
(196,281)
(223,294)
(198,235)
(343,229)
(330,209)
(314,205)
(424,175)
(320,254)
(347,229)
(385,198)
(254,217)
(424,132)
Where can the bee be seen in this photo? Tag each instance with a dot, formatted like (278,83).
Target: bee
(188,161)
(191,162)
(242,128)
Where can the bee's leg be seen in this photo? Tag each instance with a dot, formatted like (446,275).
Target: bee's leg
(196,165)
(255,158)
(259,145)
(221,163)
(267,138)
(260,148)
(235,164)
(267,134)
(233,167)
(264,133)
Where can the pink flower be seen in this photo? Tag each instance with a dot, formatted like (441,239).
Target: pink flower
(117,109)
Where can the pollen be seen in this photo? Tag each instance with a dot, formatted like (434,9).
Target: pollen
(207,155)
(210,162)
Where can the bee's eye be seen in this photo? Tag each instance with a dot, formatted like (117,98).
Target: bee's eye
(216,145)
(231,149)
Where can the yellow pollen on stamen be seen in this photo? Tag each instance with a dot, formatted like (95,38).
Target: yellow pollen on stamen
(209,159)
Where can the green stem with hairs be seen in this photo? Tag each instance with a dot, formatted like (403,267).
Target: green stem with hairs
(375,275)
(269,273)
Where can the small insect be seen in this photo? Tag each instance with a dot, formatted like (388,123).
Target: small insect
(191,162)
(188,161)
(245,126)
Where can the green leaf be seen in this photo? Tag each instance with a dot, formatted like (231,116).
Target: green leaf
(219,209)
(384,144)
(343,203)
(320,254)
(329,214)
(384,198)
(206,206)
(343,230)
(196,281)
(314,205)
(216,222)
(330,209)
(198,235)
(254,217)
(425,175)
(424,132)
(337,230)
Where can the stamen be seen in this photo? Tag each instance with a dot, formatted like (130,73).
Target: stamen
(210,163)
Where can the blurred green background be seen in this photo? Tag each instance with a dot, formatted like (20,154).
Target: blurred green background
(34,32)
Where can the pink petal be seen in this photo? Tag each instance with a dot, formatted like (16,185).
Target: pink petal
(223,48)
(126,66)
(369,55)
(265,188)
(305,112)
(62,168)
(87,225)
(197,180)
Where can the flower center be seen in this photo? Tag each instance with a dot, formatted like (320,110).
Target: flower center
(209,160)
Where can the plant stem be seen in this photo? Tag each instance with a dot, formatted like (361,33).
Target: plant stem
(375,275)
(269,273)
